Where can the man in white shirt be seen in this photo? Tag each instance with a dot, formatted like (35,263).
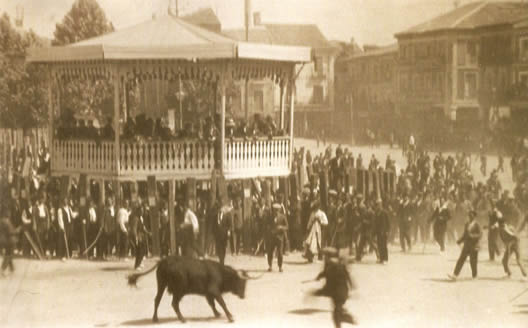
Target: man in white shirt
(189,231)
(122,227)
(65,237)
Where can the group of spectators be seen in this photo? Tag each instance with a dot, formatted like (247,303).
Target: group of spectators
(430,194)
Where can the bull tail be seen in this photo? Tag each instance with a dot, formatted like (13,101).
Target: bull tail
(133,278)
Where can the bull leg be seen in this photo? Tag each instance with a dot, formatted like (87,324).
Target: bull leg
(210,300)
(176,306)
(220,301)
(157,300)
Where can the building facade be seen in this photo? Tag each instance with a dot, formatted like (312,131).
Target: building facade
(314,87)
(370,90)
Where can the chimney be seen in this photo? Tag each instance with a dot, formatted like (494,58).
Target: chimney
(256,19)
(247,14)
(173,8)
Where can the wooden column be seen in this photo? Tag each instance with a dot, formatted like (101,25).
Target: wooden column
(50,113)
(172,217)
(292,107)
(152,192)
(222,125)
(282,103)
(117,115)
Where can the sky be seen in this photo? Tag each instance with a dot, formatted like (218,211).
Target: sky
(367,21)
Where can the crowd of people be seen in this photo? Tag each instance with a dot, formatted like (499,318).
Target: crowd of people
(142,127)
(431,194)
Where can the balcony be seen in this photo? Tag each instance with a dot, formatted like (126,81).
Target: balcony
(179,159)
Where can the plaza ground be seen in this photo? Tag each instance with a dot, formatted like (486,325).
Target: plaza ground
(411,291)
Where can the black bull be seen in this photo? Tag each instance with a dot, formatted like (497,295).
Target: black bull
(185,276)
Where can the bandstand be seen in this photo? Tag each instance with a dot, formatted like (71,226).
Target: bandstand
(169,49)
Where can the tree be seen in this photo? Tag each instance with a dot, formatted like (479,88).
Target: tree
(85,20)
(23,96)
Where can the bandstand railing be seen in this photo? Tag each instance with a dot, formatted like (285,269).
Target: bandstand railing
(83,156)
(255,158)
(192,158)
(171,159)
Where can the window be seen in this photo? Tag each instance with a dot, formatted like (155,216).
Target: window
(523,78)
(472,52)
(258,100)
(318,94)
(318,65)
(523,49)
(461,53)
(467,85)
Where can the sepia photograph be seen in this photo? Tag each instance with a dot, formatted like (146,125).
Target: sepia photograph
(264,163)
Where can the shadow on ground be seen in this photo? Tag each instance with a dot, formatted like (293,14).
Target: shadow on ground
(115,268)
(148,321)
(307,311)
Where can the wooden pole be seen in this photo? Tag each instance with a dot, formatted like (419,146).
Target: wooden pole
(50,114)
(282,103)
(116,119)
(172,217)
(292,107)
(154,214)
(222,125)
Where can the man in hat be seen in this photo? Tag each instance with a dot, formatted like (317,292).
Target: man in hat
(312,243)
(277,225)
(8,239)
(222,228)
(405,213)
(332,218)
(440,217)
(381,230)
(471,238)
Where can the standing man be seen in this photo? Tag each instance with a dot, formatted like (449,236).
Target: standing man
(277,225)
(471,238)
(65,231)
(190,230)
(440,217)
(122,223)
(7,239)
(405,220)
(381,229)
(222,230)
(108,224)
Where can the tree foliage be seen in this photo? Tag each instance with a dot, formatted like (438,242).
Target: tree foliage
(85,20)
(23,95)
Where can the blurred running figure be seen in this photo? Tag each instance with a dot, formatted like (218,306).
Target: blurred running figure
(471,239)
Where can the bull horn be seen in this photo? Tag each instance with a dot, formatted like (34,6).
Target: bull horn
(244,275)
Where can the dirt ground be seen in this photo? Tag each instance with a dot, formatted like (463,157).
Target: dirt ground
(412,290)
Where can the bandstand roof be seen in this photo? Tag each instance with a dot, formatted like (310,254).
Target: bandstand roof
(166,38)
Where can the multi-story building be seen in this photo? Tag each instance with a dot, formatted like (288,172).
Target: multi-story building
(457,67)
(370,89)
